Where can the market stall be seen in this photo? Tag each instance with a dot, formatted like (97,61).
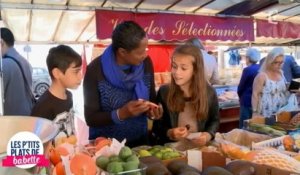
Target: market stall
(87,157)
(176,30)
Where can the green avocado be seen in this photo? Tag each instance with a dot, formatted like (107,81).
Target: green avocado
(115,159)
(115,167)
(133,157)
(102,162)
(125,152)
(131,165)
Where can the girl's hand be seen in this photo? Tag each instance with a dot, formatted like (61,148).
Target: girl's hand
(155,112)
(203,139)
(178,133)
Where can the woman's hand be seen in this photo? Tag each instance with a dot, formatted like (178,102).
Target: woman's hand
(203,139)
(133,108)
(177,133)
(155,112)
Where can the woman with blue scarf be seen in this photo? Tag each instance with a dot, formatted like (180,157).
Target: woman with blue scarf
(118,86)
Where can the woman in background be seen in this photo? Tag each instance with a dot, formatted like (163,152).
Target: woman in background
(189,103)
(269,87)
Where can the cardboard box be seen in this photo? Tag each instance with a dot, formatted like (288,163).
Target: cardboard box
(268,170)
(203,159)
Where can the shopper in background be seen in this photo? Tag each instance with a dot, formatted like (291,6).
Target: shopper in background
(190,104)
(17,78)
(290,68)
(118,86)
(246,83)
(269,87)
(64,67)
(210,63)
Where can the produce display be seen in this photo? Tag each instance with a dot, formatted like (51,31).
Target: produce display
(101,156)
(180,167)
(285,144)
(274,158)
(276,125)
(161,152)
(265,129)
(241,167)
(105,156)
(125,161)
(156,166)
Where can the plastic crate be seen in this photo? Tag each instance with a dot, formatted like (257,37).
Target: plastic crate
(274,143)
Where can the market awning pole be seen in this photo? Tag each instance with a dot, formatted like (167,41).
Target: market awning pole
(1,82)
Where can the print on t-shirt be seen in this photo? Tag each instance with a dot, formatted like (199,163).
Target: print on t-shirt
(65,121)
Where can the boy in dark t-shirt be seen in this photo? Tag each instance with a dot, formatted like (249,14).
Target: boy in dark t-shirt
(64,66)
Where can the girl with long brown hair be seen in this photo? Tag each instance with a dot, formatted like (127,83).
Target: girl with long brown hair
(190,104)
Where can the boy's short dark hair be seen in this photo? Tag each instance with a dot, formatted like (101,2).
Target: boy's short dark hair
(7,36)
(62,57)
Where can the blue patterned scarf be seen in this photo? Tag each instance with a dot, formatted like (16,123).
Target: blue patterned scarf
(115,75)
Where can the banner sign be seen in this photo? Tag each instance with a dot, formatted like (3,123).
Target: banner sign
(277,29)
(164,26)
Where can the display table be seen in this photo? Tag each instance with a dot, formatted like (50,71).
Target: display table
(229,118)
(229,107)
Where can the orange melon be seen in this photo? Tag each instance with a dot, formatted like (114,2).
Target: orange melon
(99,139)
(62,151)
(82,164)
(102,143)
(55,153)
(59,169)
(54,156)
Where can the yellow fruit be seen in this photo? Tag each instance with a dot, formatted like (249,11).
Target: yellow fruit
(60,141)
(297,157)
(144,153)
(72,139)
(297,143)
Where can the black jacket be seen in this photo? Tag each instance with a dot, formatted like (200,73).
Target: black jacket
(170,119)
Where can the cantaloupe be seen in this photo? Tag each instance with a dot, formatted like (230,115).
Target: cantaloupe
(82,164)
